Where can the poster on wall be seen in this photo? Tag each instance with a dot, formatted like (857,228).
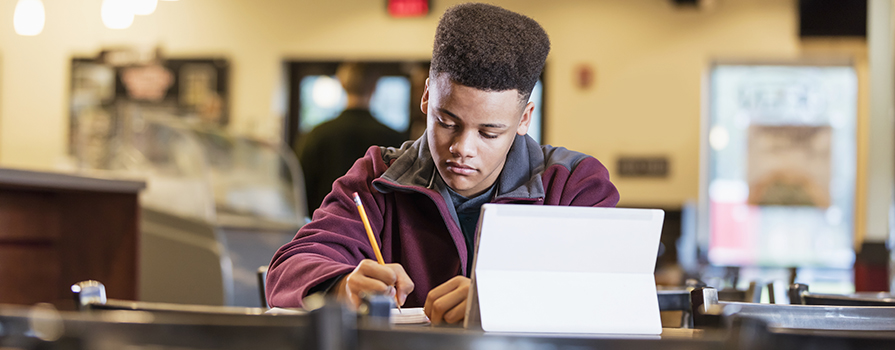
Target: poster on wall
(789,165)
(109,89)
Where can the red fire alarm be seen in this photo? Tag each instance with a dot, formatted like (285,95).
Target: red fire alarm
(408,8)
(584,76)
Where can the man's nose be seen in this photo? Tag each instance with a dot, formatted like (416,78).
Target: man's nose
(463,145)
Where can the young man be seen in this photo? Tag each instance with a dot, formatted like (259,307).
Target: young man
(423,199)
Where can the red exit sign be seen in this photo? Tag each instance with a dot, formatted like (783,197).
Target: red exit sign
(408,8)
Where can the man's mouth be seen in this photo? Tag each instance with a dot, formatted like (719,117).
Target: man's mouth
(460,169)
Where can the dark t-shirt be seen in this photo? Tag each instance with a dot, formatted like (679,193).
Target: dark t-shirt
(330,149)
(468,211)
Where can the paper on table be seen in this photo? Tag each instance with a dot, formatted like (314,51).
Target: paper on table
(410,315)
(284,311)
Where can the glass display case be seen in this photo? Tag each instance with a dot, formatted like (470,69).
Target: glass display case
(209,175)
(216,206)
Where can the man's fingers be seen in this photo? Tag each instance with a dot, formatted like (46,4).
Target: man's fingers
(371,277)
(449,307)
(355,300)
(457,314)
(368,277)
(436,293)
(403,284)
(443,289)
(443,305)
(372,269)
(359,283)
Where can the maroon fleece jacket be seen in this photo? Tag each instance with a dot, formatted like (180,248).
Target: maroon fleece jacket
(411,219)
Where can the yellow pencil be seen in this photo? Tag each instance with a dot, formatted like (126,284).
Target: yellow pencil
(363,217)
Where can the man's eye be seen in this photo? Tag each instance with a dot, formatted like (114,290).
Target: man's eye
(446,125)
(489,136)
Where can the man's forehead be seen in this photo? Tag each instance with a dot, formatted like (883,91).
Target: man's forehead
(444,83)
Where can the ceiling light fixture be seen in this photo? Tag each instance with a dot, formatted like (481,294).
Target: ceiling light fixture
(29,17)
(117,14)
(144,7)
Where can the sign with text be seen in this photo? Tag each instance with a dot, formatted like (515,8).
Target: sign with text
(642,166)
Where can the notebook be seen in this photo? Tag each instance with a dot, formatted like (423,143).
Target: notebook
(408,315)
(555,269)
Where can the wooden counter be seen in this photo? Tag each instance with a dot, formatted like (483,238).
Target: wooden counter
(57,229)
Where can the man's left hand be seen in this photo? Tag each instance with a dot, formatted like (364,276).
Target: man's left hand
(447,302)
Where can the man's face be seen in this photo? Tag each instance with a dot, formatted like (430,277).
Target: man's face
(470,131)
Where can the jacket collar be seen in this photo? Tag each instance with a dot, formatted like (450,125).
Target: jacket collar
(409,166)
(521,174)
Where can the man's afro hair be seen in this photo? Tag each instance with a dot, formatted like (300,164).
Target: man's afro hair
(489,48)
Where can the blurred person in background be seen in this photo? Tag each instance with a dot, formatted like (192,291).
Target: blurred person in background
(329,150)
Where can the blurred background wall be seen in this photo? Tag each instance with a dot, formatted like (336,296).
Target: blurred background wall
(648,58)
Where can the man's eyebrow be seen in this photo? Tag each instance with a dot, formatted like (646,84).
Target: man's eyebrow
(452,115)
(486,125)
(495,126)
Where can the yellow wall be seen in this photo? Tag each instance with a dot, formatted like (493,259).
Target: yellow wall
(649,57)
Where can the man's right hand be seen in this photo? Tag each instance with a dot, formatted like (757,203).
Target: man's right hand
(371,278)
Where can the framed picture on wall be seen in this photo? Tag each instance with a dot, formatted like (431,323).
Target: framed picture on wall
(104,89)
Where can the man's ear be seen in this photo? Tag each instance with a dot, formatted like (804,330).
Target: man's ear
(525,122)
(424,103)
